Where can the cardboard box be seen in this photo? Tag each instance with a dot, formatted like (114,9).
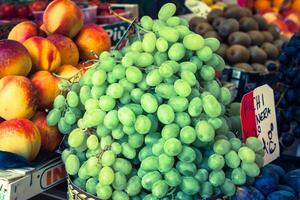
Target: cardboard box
(24,183)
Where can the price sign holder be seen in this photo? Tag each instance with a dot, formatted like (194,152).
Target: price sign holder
(258,117)
(197,7)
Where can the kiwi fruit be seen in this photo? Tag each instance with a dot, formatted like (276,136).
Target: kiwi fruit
(248,24)
(213,15)
(222,50)
(212,34)
(244,66)
(203,28)
(262,23)
(274,31)
(259,68)
(228,26)
(217,22)
(237,54)
(257,55)
(257,38)
(268,36)
(278,44)
(234,12)
(270,49)
(247,12)
(239,38)
(195,21)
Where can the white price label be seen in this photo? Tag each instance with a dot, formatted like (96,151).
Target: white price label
(197,7)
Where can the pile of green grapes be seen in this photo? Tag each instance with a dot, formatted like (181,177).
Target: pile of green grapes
(149,122)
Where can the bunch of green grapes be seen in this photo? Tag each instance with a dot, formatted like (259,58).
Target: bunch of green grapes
(149,121)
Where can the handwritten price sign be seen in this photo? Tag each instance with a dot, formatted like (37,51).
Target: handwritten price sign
(259,119)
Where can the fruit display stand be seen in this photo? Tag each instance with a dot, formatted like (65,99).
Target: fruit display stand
(24,183)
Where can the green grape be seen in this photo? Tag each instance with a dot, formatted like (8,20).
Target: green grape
(254,143)
(116,148)
(246,154)
(84,94)
(225,96)
(182,30)
(217,178)
(173,21)
(72,99)
(102,130)
(213,87)
(111,120)
(65,154)
(142,124)
(166,70)
(149,41)
(176,51)
(187,134)
(259,160)
(53,117)
(108,158)
(70,117)
(152,138)
(221,63)
(146,22)
(144,60)
(213,61)
(165,163)
(107,103)
(251,169)
(94,117)
(182,196)
(205,53)
(173,178)
(92,142)
(193,42)
(93,166)
(81,149)
(153,78)
(228,188)
(165,90)
(120,181)
(136,140)
(126,116)
(115,90)
(117,133)
(207,73)
(212,43)
(172,147)
(129,130)
(187,155)
(199,156)
(59,101)
(90,186)
(216,162)
(238,176)
(170,131)
(64,127)
(162,45)
(108,64)
(235,143)
(206,190)
(182,119)
(150,163)
(136,95)
(119,72)
(149,103)
(127,61)
(158,147)
(82,173)
(104,192)
(91,104)
(166,11)
(188,66)
(215,122)
(106,176)
(211,106)
(106,141)
(195,107)
(126,98)
(136,108)
(104,55)
(122,165)
(182,88)
(186,169)
(128,151)
(99,77)
(179,104)
(159,188)
(63,85)
(149,197)
(232,159)
(133,186)
(111,79)
(201,175)
(72,164)
(143,84)
(149,179)
(165,114)
(205,131)
(80,183)
(119,195)
(145,152)
(189,185)
(189,77)
(137,46)
(76,138)
(222,147)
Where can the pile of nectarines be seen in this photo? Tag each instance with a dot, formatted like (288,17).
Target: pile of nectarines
(28,60)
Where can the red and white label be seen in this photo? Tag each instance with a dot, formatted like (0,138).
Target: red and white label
(258,117)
